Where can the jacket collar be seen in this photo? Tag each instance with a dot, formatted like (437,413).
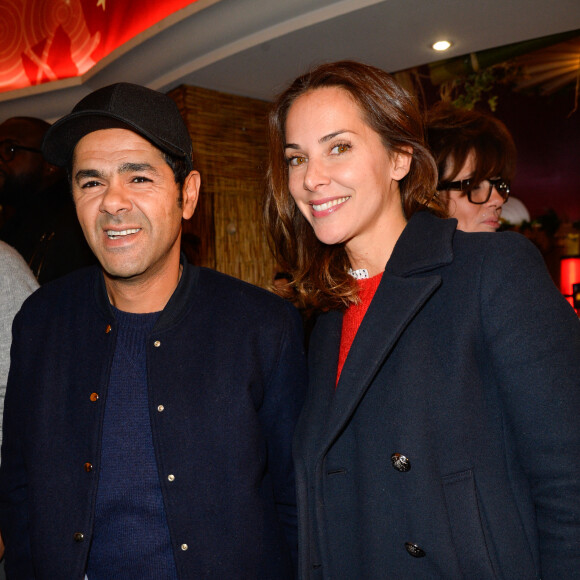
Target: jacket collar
(425,243)
(178,305)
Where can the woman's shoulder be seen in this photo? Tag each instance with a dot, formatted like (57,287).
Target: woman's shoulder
(505,264)
(499,246)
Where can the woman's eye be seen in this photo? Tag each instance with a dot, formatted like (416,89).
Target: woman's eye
(296,160)
(340,148)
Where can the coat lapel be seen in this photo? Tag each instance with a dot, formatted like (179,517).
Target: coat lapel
(407,284)
(395,304)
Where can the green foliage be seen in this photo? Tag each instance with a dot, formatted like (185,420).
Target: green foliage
(465,92)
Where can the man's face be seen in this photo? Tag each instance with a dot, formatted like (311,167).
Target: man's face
(22,175)
(127,204)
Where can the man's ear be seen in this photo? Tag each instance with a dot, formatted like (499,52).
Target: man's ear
(401,162)
(190,193)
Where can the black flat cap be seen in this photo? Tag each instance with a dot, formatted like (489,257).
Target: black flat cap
(149,113)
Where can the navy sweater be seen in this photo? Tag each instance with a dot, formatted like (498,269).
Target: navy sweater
(131,536)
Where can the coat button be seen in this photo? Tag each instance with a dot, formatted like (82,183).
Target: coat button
(400,462)
(108,329)
(79,537)
(184,547)
(160,408)
(94,397)
(171,477)
(414,550)
(157,344)
(88,467)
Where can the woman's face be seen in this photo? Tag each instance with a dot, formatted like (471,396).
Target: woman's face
(341,176)
(473,217)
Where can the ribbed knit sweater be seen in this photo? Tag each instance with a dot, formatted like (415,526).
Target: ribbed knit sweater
(354,315)
(131,536)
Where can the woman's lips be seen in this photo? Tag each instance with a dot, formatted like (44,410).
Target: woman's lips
(325,207)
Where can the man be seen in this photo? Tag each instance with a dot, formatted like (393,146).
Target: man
(38,214)
(151,403)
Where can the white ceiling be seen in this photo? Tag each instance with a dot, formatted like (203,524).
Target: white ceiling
(255,47)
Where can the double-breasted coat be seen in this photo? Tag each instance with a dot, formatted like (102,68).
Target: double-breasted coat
(450,447)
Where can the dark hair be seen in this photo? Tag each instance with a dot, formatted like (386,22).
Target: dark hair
(31,124)
(453,133)
(320,272)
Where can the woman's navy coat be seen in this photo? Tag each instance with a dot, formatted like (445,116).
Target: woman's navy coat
(467,364)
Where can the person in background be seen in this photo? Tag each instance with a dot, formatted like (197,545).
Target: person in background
(16,284)
(476,160)
(440,436)
(39,218)
(151,403)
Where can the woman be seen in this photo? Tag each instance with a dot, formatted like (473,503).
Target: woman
(440,437)
(476,160)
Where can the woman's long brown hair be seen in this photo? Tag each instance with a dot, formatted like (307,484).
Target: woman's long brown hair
(320,272)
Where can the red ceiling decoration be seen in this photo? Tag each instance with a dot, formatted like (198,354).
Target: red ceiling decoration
(48,40)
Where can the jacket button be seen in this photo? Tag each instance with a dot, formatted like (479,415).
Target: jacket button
(157,344)
(414,550)
(108,329)
(88,467)
(160,408)
(400,462)
(79,537)
(94,397)
(184,547)
(171,477)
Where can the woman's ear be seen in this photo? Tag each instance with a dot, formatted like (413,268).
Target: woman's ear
(401,162)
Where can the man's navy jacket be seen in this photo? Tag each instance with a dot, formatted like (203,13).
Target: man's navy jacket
(226,381)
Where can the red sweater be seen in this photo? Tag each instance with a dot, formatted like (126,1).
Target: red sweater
(354,315)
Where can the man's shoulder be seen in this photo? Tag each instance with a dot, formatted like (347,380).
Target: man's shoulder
(219,285)
(74,288)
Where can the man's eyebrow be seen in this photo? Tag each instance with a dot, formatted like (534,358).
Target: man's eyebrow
(136,167)
(86,173)
(324,139)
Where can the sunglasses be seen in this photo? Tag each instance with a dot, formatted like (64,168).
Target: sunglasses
(8,150)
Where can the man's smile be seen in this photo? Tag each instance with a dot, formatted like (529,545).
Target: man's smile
(117,234)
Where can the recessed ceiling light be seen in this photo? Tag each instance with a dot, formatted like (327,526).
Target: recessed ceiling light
(441,45)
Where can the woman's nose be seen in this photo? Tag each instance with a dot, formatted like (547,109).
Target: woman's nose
(316,175)
(495,199)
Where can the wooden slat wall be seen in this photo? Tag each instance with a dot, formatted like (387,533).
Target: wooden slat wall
(230,151)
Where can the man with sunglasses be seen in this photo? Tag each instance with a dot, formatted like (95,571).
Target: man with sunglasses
(476,158)
(38,215)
